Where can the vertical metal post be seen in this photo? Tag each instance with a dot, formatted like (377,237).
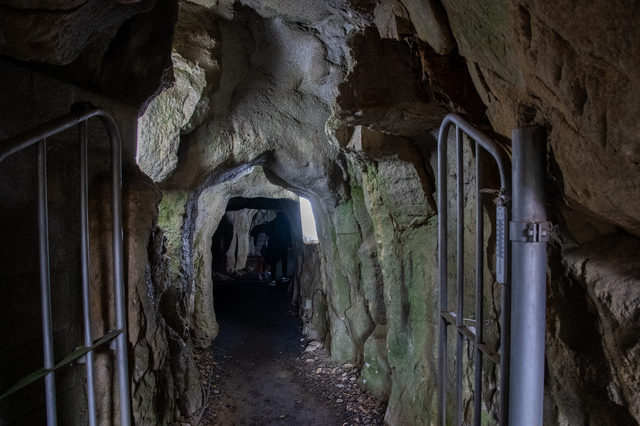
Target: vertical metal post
(505,349)
(460,270)
(442,266)
(84,258)
(477,386)
(118,272)
(45,284)
(528,279)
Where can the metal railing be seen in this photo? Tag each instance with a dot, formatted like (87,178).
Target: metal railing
(448,317)
(80,113)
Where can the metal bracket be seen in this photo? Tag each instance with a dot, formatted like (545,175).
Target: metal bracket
(83,358)
(501,244)
(529,232)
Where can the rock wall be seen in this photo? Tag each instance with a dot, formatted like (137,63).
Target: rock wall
(532,63)
(592,344)
(568,68)
(385,77)
(163,382)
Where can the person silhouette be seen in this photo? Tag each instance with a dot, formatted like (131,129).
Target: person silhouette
(278,232)
(260,241)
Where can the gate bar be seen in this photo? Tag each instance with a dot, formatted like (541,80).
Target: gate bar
(84,254)
(45,283)
(477,386)
(528,278)
(460,270)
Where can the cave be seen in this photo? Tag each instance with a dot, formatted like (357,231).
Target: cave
(225,108)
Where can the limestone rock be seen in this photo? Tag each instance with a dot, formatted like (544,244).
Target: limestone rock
(143,47)
(230,244)
(92,44)
(383,91)
(376,373)
(185,376)
(65,28)
(590,320)
(312,346)
(147,279)
(159,128)
(332,107)
(198,41)
(392,20)
(483,35)
(349,314)
(263,104)
(533,65)
(431,25)
(303,11)
(171,220)
(222,8)
(406,188)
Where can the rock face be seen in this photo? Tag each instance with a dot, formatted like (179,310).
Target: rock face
(90,43)
(162,377)
(533,64)
(591,324)
(65,27)
(339,102)
(182,107)
(384,91)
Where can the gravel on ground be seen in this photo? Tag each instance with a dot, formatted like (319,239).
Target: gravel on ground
(257,372)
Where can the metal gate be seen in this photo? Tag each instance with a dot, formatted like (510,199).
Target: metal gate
(525,387)
(79,115)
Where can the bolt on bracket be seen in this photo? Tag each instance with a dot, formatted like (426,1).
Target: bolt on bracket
(529,232)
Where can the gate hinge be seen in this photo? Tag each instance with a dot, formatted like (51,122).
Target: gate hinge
(529,232)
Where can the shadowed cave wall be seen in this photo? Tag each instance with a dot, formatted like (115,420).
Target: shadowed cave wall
(338,102)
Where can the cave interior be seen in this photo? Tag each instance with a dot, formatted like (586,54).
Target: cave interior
(230,110)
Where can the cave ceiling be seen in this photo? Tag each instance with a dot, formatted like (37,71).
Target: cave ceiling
(276,83)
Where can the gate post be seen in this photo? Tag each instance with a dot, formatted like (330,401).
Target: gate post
(529,231)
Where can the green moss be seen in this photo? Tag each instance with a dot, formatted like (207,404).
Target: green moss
(409,267)
(340,292)
(320,309)
(171,220)
(375,371)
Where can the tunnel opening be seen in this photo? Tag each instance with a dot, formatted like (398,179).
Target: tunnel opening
(233,248)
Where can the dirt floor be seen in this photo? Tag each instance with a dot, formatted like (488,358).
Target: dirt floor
(257,372)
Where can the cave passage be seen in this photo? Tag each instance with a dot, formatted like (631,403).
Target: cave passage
(259,337)
(232,247)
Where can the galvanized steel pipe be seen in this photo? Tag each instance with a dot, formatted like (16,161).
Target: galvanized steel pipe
(84,261)
(45,284)
(528,279)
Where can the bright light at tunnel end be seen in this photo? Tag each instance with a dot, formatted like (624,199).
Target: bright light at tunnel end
(309,232)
